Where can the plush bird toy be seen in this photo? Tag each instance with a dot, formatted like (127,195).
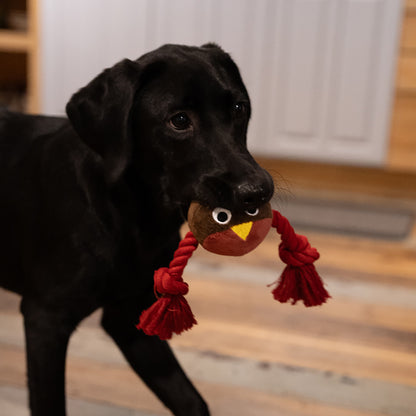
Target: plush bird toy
(231,234)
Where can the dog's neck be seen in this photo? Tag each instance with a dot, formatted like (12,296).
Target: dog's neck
(155,210)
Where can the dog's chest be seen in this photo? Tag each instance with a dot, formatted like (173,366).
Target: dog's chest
(137,256)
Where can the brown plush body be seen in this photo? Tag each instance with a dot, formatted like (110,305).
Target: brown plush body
(230,234)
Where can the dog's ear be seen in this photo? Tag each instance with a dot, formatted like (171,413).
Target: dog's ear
(212,45)
(100,114)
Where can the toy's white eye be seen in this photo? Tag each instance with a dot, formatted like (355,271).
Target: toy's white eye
(221,215)
(252,212)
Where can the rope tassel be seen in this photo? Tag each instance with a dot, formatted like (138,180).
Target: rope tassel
(171,312)
(299,280)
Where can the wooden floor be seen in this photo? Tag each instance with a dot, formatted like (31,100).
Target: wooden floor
(250,355)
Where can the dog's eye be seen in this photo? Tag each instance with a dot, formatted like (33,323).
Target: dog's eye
(252,212)
(239,108)
(180,121)
(221,215)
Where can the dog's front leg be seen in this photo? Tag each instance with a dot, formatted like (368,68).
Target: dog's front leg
(153,361)
(47,334)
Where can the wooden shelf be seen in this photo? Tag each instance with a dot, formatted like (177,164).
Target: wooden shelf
(14,41)
(27,43)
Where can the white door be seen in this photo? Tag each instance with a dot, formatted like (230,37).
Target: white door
(320,72)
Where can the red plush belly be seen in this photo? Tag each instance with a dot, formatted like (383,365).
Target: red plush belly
(229,243)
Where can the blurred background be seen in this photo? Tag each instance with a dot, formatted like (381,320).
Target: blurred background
(333,88)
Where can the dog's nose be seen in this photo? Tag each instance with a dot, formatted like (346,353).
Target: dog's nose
(253,195)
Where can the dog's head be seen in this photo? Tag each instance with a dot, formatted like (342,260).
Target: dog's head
(179,115)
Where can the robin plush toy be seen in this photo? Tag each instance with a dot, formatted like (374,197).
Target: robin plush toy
(234,234)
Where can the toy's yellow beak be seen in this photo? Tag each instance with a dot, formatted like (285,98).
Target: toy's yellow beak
(243,230)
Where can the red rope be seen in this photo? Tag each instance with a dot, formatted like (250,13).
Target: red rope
(183,253)
(171,312)
(299,280)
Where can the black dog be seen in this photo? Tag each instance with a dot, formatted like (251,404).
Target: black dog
(91,206)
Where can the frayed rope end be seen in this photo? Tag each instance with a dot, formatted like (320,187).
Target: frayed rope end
(299,280)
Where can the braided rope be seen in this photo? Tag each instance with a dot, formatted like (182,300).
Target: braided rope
(181,256)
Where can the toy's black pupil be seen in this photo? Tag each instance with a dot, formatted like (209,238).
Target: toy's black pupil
(222,216)
(251,211)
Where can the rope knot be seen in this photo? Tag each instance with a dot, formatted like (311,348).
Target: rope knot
(167,283)
(299,280)
(298,252)
(171,312)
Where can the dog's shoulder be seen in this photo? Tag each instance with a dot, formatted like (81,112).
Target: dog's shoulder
(33,140)
(42,159)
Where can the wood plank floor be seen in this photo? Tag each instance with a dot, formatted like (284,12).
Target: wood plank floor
(250,355)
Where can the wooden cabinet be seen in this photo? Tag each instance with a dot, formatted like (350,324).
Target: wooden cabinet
(19,80)
(402,154)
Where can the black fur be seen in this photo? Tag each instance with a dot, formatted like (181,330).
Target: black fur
(91,206)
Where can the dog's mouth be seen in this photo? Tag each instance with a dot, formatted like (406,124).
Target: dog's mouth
(239,196)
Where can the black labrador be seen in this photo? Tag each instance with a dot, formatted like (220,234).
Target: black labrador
(91,205)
